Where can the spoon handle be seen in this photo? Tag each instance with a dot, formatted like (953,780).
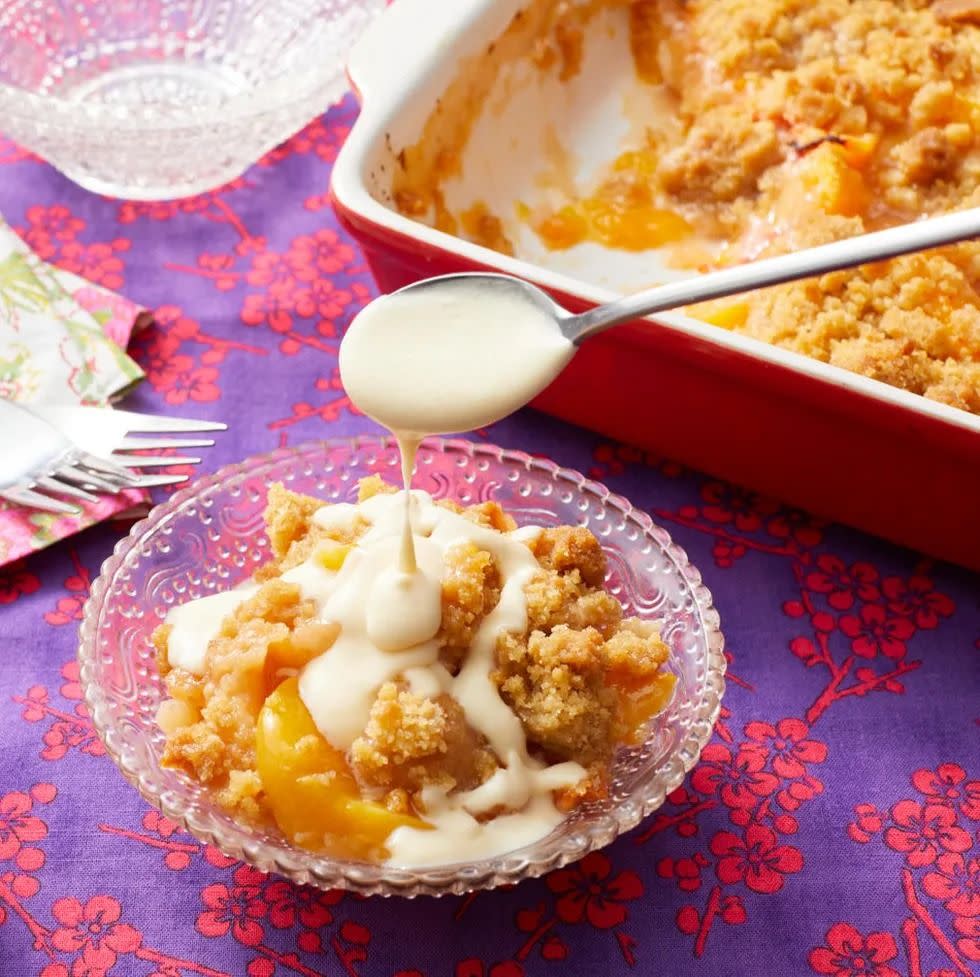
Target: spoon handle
(917,236)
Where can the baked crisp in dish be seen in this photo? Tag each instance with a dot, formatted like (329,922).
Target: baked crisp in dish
(575,683)
(773,125)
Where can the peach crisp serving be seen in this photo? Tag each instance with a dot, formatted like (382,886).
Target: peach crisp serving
(306,700)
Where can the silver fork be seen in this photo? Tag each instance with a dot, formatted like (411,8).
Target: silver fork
(74,451)
(105,433)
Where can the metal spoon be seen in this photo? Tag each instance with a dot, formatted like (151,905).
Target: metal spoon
(877,246)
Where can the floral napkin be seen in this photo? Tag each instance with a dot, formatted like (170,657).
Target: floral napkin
(62,341)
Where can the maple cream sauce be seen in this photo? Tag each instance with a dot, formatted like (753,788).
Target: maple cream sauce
(427,362)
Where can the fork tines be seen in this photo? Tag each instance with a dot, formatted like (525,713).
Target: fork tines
(149,424)
(153,424)
(76,475)
(95,450)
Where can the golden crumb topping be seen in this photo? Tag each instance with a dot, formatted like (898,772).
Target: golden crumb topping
(581,679)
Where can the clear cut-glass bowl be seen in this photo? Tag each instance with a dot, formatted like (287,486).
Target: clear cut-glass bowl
(168,98)
(210,536)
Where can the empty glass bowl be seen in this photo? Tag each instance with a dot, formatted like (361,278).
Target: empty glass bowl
(209,537)
(158,100)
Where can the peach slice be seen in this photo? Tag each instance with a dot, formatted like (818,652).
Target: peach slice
(313,795)
(832,183)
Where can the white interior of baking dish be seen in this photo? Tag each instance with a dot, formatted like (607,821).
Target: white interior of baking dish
(529,125)
(537,135)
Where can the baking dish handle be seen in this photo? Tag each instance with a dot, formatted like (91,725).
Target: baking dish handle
(408,33)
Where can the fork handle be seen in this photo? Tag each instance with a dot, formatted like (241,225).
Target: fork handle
(31,446)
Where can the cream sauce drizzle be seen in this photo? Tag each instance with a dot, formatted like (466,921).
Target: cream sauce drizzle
(450,357)
(432,361)
(339,687)
(389,621)
(408,448)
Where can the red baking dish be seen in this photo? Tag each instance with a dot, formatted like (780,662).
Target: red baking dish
(841,445)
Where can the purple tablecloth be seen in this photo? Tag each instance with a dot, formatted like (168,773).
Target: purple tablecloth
(831,828)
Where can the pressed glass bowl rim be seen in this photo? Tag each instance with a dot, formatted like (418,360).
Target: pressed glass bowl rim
(25,104)
(368,879)
(230,108)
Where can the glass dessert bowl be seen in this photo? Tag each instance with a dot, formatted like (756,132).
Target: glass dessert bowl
(210,537)
(153,101)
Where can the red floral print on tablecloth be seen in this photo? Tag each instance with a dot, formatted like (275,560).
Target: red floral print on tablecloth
(873,631)
(17,581)
(236,908)
(94,930)
(739,779)
(289,904)
(948,784)
(955,881)
(842,584)
(923,831)
(591,891)
(918,599)
(849,954)
(755,858)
